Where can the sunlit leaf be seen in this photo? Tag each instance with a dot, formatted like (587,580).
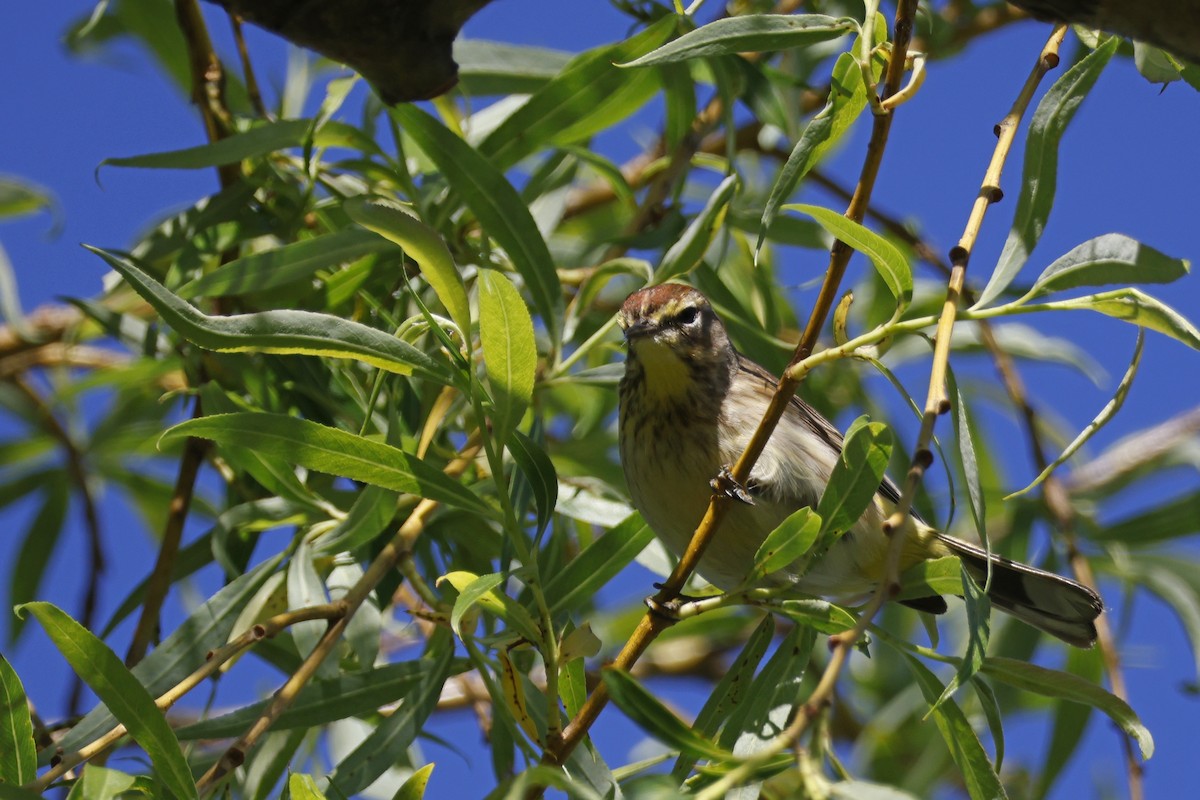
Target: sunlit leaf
(656,719)
(18,753)
(1112,258)
(751,33)
(889,262)
(509,351)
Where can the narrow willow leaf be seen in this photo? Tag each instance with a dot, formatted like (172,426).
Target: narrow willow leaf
(752,33)
(772,696)
(1136,308)
(888,260)
(572,685)
(866,790)
(37,548)
(478,589)
(271,759)
(368,517)
(304,590)
(496,205)
(976,500)
(1173,520)
(792,539)
(19,197)
(589,95)
(322,701)
(656,719)
(414,787)
(486,67)
(1108,259)
(285,265)
(1174,590)
(683,256)
(539,473)
(258,141)
(978,632)
(856,476)
(965,748)
(423,244)
(1107,413)
(1039,178)
(1064,686)
(819,615)
(509,351)
(18,752)
(730,692)
(847,99)
(303,787)
(102,783)
(483,590)
(572,587)
(176,657)
(934,576)
(118,689)
(991,711)
(512,690)
(332,451)
(285,332)
(1070,721)
(392,737)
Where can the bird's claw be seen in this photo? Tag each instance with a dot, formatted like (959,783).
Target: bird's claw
(667,610)
(725,484)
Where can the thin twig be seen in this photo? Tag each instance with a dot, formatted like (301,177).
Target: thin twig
(383,563)
(252,90)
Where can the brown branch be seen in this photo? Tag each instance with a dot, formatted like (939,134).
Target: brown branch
(654,622)
(252,90)
(385,562)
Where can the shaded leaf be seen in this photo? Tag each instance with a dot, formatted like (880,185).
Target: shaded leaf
(792,539)
(283,332)
(683,256)
(539,473)
(332,451)
(656,719)
(889,262)
(856,478)
(751,33)
(573,586)
(1107,259)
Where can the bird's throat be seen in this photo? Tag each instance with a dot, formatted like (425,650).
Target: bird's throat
(667,378)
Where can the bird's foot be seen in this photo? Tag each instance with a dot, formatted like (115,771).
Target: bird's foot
(725,484)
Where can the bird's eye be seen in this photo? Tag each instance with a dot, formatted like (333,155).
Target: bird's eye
(687,316)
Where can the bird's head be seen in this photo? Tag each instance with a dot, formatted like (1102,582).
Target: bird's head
(672,330)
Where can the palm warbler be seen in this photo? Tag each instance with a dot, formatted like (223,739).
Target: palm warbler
(689,404)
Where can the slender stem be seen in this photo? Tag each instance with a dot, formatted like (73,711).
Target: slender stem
(252,90)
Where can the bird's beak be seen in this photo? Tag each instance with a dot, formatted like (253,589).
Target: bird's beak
(637,330)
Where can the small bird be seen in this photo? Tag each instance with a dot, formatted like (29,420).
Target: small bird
(690,403)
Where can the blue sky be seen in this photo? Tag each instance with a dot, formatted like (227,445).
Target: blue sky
(1129,164)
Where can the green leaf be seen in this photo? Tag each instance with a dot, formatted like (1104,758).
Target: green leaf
(856,478)
(101,783)
(589,95)
(730,692)
(772,695)
(350,694)
(260,140)
(1111,258)
(847,99)
(1136,308)
(1154,64)
(979,628)
(414,787)
(19,197)
(656,719)
(303,787)
(509,351)
(1064,686)
(965,748)
(392,737)
(683,256)
(423,244)
(819,615)
(539,473)
(304,590)
(17,793)
(285,265)
(372,511)
(271,759)
(18,752)
(483,590)
(480,588)
(572,587)
(496,205)
(976,500)
(792,539)
(888,260)
(118,689)
(37,548)
(1107,413)
(332,451)
(1040,175)
(284,332)
(486,67)
(939,576)
(1173,520)
(991,710)
(177,656)
(752,33)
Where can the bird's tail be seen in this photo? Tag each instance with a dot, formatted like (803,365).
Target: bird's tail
(1051,603)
